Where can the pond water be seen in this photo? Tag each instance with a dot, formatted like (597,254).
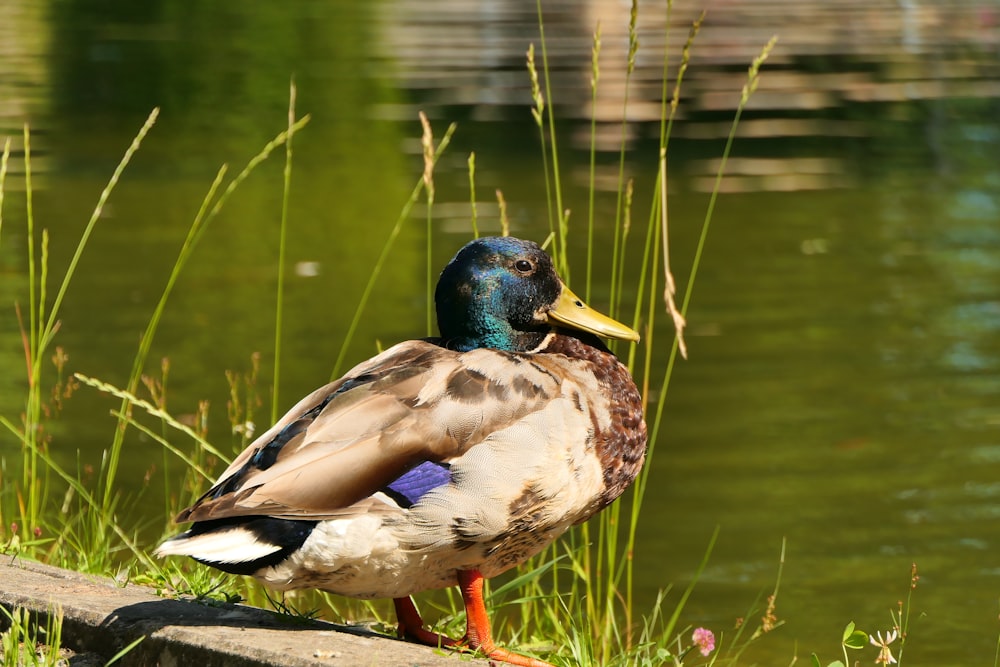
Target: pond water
(841,391)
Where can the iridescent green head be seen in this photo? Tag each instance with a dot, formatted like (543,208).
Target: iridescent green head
(504,293)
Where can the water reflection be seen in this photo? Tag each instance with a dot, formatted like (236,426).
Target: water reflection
(25,77)
(844,325)
(830,57)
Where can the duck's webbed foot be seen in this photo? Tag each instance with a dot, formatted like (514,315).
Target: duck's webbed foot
(411,625)
(478,635)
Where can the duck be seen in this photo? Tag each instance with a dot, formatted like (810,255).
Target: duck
(442,461)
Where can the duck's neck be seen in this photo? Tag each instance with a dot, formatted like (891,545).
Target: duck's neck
(493,333)
(525,342)
(561,341)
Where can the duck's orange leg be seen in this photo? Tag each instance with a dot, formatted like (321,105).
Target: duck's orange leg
(477,634)
(411,626)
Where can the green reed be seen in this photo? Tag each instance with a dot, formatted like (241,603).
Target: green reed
(37,336)
(431,155)
(36,640)
(598,569)
(211,205)
(28,642)
(595,75)
(4,161)
(427,142)
(279,307)
(88,520)
(474,209)
(617,250)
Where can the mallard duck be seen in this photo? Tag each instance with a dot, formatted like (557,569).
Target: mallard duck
(441,461)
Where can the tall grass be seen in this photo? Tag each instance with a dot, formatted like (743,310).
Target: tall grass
(431,155)
(4,162)
(593,575)
(93,529)
(28,643)
(37,336)
(279,303)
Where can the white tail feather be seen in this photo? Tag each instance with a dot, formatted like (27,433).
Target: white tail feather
(232,545)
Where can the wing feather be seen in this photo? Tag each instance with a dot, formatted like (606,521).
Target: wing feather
(347,440)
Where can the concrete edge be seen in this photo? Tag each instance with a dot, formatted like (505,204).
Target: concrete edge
(102,617)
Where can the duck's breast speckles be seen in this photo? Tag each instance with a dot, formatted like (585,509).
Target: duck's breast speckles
(618,428)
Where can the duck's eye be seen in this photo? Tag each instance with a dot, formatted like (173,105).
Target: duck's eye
(524,266)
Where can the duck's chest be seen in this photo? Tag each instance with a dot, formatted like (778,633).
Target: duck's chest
(614,406)
(557,465)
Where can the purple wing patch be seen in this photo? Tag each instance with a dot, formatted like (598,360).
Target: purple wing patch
(414,483)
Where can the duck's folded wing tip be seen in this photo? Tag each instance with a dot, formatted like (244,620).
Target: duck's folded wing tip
(232,544)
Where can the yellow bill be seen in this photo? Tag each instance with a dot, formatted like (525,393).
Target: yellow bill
(571,311)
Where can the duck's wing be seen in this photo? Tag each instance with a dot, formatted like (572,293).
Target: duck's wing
(413,403)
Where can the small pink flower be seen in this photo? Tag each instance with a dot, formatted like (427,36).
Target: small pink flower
(704,640)
(885,656)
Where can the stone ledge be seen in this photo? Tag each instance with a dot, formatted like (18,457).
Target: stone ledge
(102,618)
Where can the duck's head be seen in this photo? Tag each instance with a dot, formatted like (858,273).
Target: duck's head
(504,293)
